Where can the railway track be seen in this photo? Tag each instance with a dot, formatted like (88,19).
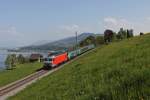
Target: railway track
(19,83)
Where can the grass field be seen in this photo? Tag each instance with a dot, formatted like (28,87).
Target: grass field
(22,70)
(119,71)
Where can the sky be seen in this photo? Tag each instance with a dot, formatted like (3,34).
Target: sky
(24,22)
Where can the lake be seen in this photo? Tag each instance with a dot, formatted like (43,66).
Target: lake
(3,55)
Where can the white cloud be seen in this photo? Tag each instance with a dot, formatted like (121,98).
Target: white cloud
(71,28)
(9,36)
(116,23)
(9,30)
(110,20)
(148,18)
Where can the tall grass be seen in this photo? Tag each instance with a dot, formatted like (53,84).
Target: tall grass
(119,71)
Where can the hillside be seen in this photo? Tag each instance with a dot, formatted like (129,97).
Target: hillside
(119,71)
(60,44)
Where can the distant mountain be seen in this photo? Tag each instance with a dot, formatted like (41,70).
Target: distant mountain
(60,44)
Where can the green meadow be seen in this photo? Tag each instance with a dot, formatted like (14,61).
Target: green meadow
(21,70)
(118,71)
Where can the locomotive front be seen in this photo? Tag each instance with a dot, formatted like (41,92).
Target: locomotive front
(48,62)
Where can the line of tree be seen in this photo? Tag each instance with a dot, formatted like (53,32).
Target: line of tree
(12,60)
(109,36)
(122,34)
(96,40)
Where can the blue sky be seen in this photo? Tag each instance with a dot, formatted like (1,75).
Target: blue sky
(23,22)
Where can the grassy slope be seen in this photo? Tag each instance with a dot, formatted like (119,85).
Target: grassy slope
(117,71)
(21,71)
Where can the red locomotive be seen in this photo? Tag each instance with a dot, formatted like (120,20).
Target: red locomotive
(55,59)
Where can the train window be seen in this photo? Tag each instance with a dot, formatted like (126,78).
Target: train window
(45,59)
(48,59)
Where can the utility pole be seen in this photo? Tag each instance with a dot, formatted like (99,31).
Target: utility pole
(76,41)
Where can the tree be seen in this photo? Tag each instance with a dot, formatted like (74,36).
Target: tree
(11,61)
(108,35)
(129,33)
(21,59)
(122,34)
(87,41)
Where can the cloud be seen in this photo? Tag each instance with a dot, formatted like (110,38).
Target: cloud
(65,29)
(9,30)
(9,36)
(71,28)
(148,18)
(116,23)
(110,20)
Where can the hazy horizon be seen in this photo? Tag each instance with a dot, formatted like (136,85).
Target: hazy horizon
(25,22)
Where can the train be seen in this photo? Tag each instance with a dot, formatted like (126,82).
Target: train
(60,57)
